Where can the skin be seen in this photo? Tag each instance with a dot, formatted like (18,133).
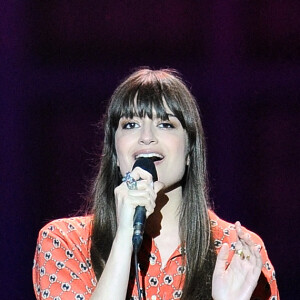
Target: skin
(238,281)
(145,135)
(161,200)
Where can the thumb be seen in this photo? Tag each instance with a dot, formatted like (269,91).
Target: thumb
(158,186)
(222,259)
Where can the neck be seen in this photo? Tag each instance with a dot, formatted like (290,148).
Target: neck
(165,217)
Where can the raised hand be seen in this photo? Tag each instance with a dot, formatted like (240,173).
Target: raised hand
(237,280)
(144,194)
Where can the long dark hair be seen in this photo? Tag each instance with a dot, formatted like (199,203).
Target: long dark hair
(140,94)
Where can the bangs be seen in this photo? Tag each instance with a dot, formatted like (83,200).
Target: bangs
(146,94)
(143,102)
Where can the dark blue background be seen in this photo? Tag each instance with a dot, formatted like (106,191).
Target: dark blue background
(60,62)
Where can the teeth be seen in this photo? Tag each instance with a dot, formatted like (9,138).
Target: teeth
(149,155)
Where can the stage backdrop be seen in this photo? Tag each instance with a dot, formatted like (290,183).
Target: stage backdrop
(61,61)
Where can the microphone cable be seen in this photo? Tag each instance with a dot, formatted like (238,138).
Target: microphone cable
(137,279)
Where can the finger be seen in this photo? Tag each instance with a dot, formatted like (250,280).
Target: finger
(243,250)
(221,262)
(145,201)
(239,254)
(141,185)
(145,192)
(242,258)
(239,230)
(141,174)
(257,255)
(238,245)
(242,234)
(256,262)
(245,238)
(246,248)
(134,197)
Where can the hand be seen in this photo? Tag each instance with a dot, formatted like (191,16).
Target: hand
(127,200)
(239,279)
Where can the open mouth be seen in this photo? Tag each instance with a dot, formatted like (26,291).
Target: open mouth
(153,156)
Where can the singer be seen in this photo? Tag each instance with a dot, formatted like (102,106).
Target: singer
(187,251)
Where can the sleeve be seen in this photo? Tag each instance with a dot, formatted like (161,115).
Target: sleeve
(62,267)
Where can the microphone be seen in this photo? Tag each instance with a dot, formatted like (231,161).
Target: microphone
(140,211)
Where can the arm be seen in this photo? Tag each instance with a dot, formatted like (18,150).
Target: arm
(113,283)
(62,266)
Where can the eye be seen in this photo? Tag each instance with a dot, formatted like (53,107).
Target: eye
(166,125)
(130,125)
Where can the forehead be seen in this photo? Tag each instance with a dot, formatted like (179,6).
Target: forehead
(154,107)
(146,100)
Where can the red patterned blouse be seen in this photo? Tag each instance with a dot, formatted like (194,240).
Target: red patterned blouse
(62,264)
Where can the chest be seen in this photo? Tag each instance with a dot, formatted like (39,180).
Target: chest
(161,272)
(166,246)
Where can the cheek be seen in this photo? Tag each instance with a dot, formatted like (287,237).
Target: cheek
(119,147)
(123,159)
(182,148)
(120,141)
(179,147)
(121,163)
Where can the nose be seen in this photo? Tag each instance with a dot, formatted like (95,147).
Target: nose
(147,135)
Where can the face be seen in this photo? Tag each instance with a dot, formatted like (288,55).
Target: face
(165,141)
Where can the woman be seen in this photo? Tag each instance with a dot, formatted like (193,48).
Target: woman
(187,252)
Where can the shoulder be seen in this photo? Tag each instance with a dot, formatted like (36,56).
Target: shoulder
(69,233)
(81,224)
(63,255)
(224,232)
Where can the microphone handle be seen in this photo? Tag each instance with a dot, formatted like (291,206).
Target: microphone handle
(138,227)
(139,218)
